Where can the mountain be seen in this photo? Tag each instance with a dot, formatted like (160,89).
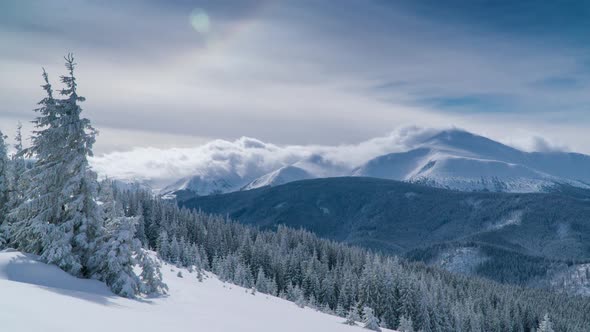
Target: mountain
(451,159)
(36,295)
(280,176)
(400,217)
(507,266)
(460,160)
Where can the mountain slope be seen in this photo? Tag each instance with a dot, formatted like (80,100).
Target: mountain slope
(460,160)
(452,159)
(281,176)
(40,297)
(398,217)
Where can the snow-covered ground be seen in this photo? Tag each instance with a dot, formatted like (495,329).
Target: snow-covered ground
(38,297)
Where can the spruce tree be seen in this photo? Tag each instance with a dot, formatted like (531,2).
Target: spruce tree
(41,223)
(163,246)
(405,324)
(18,169)
(369,320)
(4,188)
(81,187)
(262,284)
(151,275)
(352,316)
(545,325)
(116,256)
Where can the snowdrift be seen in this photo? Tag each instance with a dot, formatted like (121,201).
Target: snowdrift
(40,297)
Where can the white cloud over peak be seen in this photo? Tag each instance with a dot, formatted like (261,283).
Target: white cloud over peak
(245,156)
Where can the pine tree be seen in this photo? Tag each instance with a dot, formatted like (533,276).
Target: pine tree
(151,275)
(81,186)
(369,320)
(383,323)
(174,251)
(40,223)
(261,282)
(163,246)
(545,325)
(405,324)
(18,181)
(340,310)
(60,219)
(116,257)
(352,316)
(199,276)
(4,189)
(16,186)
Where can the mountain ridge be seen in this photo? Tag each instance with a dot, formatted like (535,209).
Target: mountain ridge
(451,159)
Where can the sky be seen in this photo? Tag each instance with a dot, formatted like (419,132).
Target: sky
(179,73)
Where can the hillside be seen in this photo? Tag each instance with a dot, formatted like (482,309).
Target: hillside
(398,217)
(514,230)
(36,295)
(461,160)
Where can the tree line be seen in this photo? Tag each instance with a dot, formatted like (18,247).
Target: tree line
(336,278)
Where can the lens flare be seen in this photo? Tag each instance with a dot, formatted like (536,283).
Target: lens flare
(200,21)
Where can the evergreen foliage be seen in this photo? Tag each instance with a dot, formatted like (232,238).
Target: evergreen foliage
(4,177)
(369,320)
(405,324)
(545,325)
(307,269)
(55,210)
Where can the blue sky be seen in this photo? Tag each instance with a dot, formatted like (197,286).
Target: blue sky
(177,73)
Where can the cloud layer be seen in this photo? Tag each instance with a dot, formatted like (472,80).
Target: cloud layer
(249,158)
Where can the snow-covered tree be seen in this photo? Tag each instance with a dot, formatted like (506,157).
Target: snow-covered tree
(116,257)
(261,282)
(59,218)
(545,325)
(174,254)
(163,246)
(4,173)
(80,187)
(383,323)
(18,177)
(40,223)
(352,317)
(405,324)
(119,251)
(369,320)
(4,188)
(151,276)
(17,185)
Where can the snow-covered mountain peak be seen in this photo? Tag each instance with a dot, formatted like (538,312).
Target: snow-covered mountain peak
(453,158)
(460,160)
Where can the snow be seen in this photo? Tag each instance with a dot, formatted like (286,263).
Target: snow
(39,297)
(281,176)
(453,159)
(459,160)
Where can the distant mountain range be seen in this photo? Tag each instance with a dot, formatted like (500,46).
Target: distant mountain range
(451,159)
(534,239)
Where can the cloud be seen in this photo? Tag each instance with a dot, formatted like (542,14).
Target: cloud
(246,157)
(542,145)
(291,72)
